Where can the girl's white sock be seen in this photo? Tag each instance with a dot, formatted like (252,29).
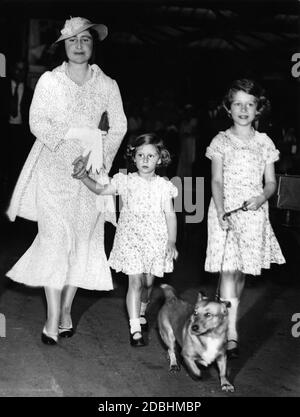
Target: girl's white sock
(232,318)
(135,325)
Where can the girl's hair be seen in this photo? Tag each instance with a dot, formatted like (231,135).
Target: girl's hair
(60,50)
(249,87)
(149,139)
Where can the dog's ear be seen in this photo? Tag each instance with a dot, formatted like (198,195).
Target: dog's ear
(201,297)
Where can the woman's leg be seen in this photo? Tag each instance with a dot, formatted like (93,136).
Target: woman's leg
(66,306)
(133,303)
(53,297)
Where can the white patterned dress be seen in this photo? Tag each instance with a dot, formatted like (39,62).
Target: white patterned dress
(251,243)
(69,246)
(141,238)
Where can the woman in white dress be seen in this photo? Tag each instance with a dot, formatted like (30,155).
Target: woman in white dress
(68,251)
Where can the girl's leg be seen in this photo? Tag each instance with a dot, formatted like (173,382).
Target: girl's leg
(66,306)
(147,286)
(133,303)
(53,297)
(240,283)
(228,292)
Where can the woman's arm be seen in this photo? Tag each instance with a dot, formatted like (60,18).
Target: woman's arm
(117,126)
(171,220)
(42,124)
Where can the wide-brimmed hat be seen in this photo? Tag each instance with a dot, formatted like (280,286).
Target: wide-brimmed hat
(76,25)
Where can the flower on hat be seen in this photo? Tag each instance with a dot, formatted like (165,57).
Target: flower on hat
(72,25)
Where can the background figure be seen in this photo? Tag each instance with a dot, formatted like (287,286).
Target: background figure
(65,113)
(135,123)
(188,134)
(242,173)
(17,140)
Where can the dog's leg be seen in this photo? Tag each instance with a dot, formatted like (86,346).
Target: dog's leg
(169,339)
(222,365)
(190,363)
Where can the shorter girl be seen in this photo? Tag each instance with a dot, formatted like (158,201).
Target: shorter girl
(242,171)
(144,245)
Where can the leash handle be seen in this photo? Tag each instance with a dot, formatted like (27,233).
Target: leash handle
(228,213)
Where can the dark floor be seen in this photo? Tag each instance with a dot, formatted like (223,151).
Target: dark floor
(99,362)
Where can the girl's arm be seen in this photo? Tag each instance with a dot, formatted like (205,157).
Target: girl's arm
(270,187)
(97,188)
(217,188)
(171,220)
(80,173)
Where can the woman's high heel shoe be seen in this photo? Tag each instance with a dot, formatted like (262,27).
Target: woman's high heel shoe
(48,338)
(65,331)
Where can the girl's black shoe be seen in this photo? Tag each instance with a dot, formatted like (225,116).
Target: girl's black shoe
(137,342)
(145,326)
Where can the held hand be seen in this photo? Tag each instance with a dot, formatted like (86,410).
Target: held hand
(255,203)
(223,223)
(79,170)
(91,142)
(171,252)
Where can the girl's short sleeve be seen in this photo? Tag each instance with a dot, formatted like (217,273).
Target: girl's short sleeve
(170,190)
(119,181)
(270,153)
(216,147)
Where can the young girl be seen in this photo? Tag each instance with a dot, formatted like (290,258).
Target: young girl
(243,243)
(144,245)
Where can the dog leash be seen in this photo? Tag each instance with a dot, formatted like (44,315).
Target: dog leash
(227,214)
(242,207)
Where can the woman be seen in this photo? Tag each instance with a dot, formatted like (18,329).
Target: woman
(68,251)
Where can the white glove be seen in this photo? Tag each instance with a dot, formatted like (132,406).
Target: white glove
(91,141)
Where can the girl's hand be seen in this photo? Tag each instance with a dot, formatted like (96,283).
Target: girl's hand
(171,252)
(79,170)
(223,223)
(255,202)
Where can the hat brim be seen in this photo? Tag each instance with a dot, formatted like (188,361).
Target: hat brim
(98,27)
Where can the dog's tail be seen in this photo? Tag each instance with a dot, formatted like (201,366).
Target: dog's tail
(168,291)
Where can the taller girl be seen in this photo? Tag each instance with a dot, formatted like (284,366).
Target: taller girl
(242,171)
